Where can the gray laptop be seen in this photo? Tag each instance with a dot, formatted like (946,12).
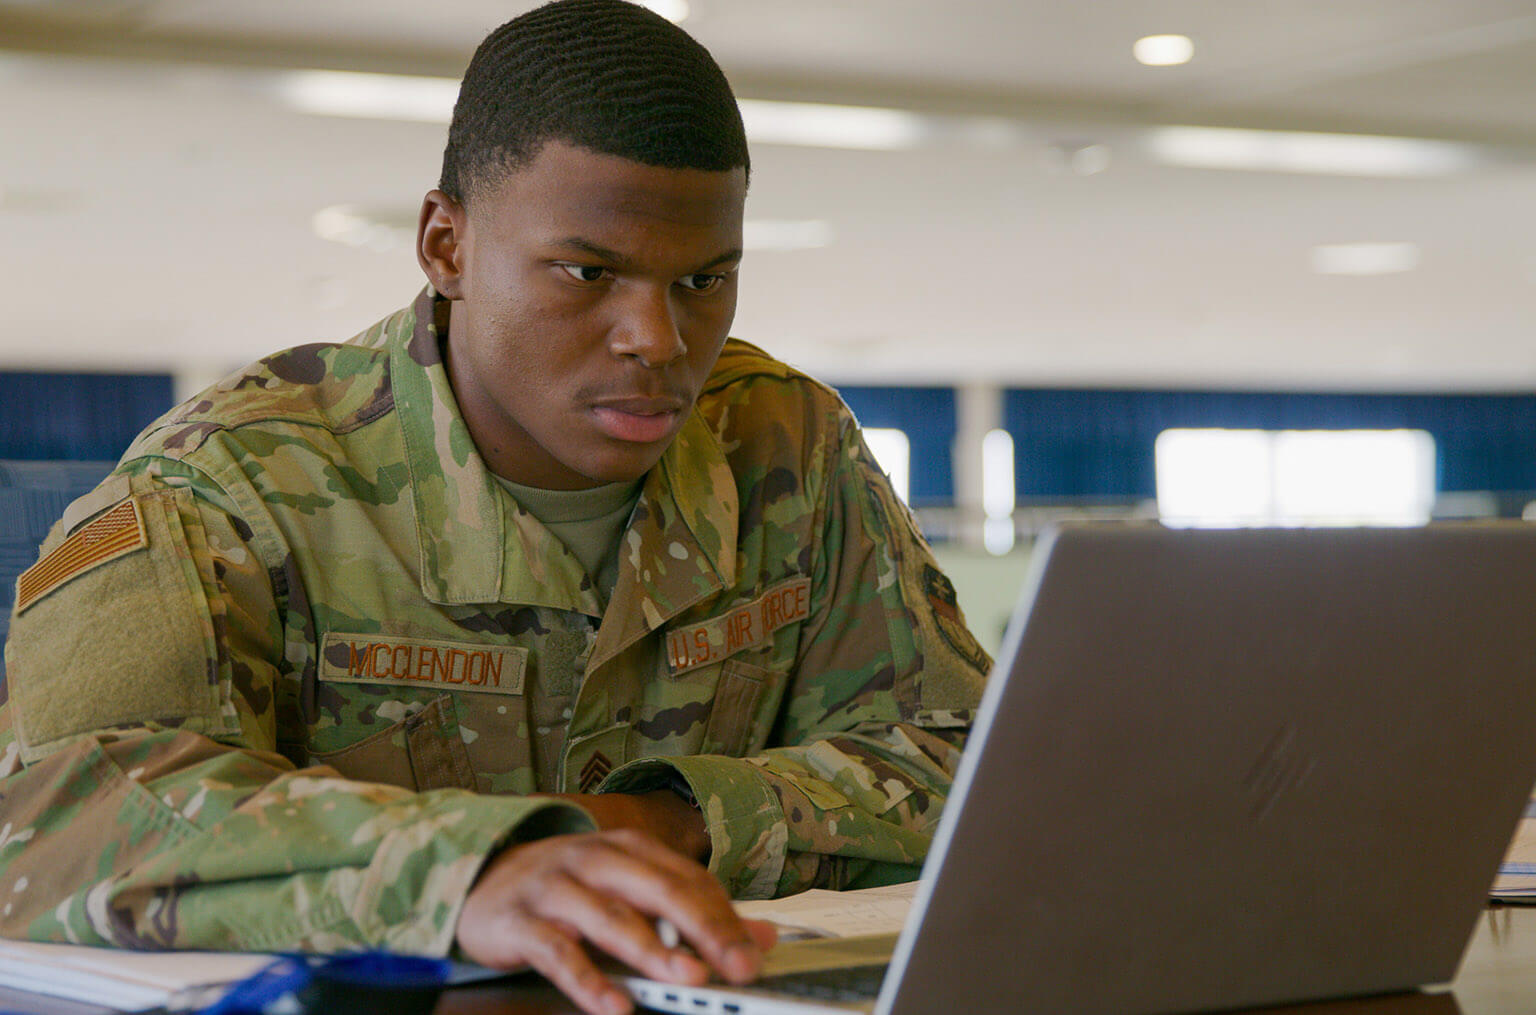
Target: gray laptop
(1217,769)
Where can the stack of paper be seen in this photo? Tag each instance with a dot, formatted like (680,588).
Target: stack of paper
(820,913)
(124,980)
(1516,881)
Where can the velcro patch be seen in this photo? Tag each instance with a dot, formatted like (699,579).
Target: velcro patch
(118,532)
(946,613)
(745,627)
(449,665)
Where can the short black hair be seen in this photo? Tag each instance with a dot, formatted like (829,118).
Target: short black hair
(605,75)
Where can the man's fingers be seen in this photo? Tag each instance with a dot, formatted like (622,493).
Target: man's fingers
(657,854)
(542,902)
(686,895)
(561,959)
(764,933)
(614,926)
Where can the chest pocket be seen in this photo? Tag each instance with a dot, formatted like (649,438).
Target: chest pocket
(402,710)
(420,752)
(739,722)
(730,661)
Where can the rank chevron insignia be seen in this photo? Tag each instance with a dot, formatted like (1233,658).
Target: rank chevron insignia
(593,771)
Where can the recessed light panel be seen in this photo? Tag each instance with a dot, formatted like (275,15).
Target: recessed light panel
(369,96)
(1364,258)
(1163,50)
(1283,151)
(819,125)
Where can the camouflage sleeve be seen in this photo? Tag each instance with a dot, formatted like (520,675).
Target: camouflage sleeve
(142,800)
(874,719)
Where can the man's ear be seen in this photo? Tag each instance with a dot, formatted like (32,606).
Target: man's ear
(440,236)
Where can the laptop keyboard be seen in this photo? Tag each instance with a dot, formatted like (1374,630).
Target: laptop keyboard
(850,983)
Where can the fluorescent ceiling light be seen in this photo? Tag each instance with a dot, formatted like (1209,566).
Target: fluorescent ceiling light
(784,235)
(1364,258)
(384,230)
(370,96)
(430,100)
(817,125)
(1298,152)
(1163,50)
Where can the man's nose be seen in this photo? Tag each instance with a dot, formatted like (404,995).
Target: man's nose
(646,329)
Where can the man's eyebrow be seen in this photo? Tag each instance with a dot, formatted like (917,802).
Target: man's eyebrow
(619,260)
(729,257)
(598,251)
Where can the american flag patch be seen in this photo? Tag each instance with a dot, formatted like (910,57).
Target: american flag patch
(117,532)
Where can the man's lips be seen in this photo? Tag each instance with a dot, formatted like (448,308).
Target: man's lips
(643,420)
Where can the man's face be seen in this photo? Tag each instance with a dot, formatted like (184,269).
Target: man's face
(591,298)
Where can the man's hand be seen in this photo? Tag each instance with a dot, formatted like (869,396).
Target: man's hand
(661,814)
(536,903)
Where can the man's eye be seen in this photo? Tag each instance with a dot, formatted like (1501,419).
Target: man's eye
(584,272)
(701,283)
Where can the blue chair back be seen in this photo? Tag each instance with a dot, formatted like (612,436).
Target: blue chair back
(33,495)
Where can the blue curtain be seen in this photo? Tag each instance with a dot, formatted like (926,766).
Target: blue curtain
(77,416)
(927,416)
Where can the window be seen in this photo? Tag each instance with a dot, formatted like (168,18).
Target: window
(997,493)
(894,453)
(1295,477)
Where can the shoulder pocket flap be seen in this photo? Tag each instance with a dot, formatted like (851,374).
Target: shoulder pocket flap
(98,500)
(123,641)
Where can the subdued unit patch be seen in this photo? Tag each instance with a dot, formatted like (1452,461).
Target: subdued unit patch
(120,531)
(940,592)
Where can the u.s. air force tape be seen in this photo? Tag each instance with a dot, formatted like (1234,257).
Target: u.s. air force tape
(422,663)
(690,646)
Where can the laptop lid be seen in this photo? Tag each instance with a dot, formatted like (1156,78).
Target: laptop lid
(1217,769)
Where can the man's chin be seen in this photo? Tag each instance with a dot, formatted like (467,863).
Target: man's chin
(625,468)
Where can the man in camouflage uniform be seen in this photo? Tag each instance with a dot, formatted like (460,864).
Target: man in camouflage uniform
(483,628)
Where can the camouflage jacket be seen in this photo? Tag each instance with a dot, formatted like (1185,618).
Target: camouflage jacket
(284,679)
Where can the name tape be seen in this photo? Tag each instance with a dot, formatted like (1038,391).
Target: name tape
(377,659)
(745,627)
